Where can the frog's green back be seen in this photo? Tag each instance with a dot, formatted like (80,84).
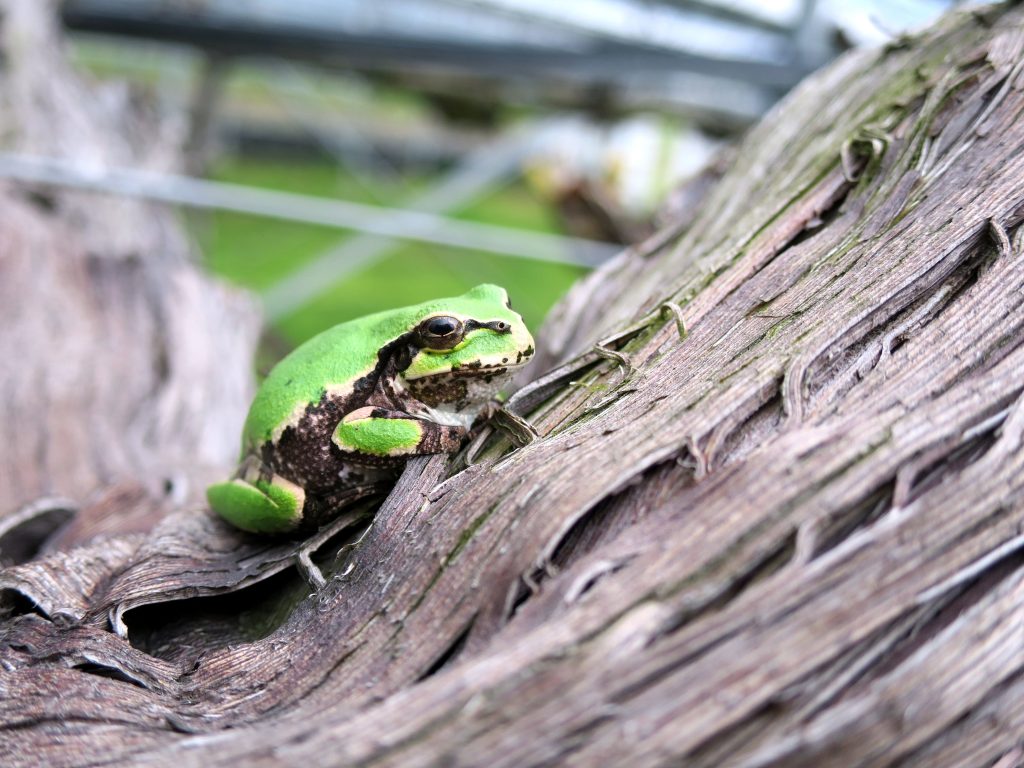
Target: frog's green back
(340,355)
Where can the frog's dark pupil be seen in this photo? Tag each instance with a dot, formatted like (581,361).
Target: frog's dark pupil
(442,326)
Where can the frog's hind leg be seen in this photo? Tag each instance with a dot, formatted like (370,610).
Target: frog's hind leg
(257,504)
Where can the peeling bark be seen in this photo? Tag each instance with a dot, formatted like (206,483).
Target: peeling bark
(790,532)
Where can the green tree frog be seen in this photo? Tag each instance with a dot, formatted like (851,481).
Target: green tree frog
(344,410)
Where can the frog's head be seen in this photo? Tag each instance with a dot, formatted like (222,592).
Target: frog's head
(467,347)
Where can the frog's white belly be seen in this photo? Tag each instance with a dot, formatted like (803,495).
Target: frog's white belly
(448,415)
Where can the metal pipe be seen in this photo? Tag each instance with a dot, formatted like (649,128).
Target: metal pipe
(389,222)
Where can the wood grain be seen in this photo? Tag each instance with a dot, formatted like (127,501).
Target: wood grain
(792,535)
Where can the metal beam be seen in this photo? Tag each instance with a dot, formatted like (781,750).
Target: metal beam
(597,59)
(650,25)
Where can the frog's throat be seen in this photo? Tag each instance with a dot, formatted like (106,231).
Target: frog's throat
(464,390)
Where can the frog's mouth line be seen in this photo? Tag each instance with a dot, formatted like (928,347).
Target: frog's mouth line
(478,370)
(465,373)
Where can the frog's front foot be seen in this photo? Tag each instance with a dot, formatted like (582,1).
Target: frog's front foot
(262,506)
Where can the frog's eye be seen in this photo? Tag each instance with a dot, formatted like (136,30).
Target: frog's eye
(442,326)
(441,332)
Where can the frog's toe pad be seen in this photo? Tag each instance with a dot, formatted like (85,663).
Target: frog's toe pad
(274,507)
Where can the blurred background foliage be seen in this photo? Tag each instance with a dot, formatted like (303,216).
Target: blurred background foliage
(571,120)
(257,252)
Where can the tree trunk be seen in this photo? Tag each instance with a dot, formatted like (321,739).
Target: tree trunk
(786,527)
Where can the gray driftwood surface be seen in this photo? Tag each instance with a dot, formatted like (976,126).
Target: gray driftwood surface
(793,535)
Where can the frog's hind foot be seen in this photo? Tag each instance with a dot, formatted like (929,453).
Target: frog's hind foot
(262,506)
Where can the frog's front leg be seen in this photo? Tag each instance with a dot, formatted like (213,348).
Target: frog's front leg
(382,432)
(258,501)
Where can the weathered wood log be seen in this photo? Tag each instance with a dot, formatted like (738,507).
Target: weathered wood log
(786,527)
(105,379)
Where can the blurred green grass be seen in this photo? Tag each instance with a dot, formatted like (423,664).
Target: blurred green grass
(257,252)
